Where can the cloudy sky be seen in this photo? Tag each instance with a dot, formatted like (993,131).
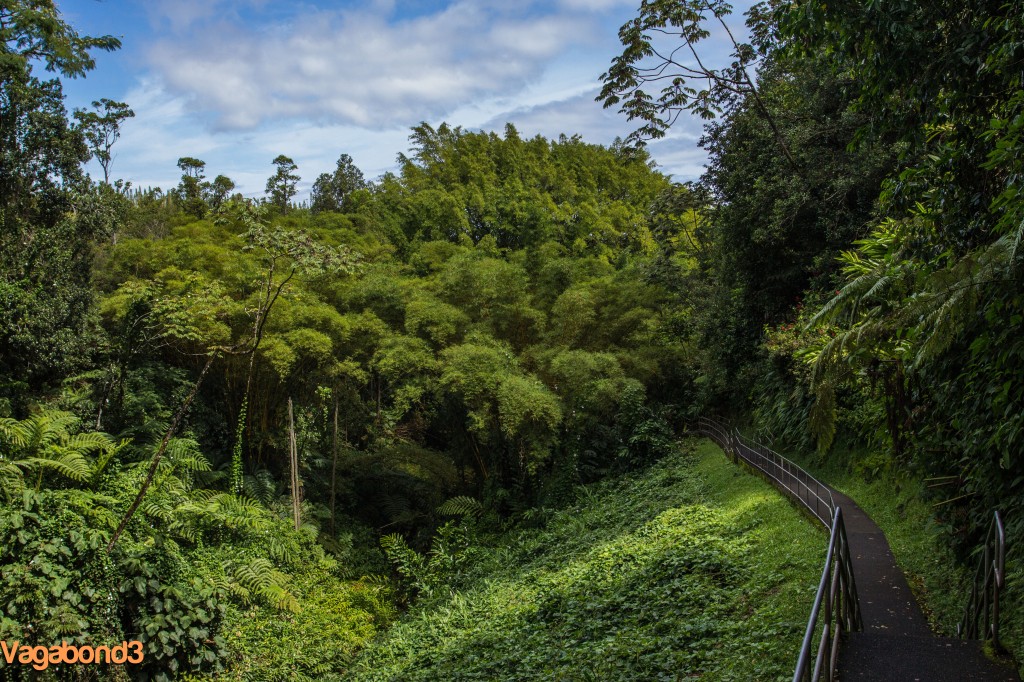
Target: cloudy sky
(237,82)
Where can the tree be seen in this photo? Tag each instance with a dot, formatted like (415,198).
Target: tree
(220,189)
(284,254)
(685,25)
(281,186)
(932,303)
(33,30)
(192,189)
(45,250)
(331,190)
(102,128)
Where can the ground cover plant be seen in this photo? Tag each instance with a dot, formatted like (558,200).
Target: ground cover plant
(694,567)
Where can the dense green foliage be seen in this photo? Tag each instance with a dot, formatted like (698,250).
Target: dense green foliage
(192,556)
(862,237)
(482,331)
(689,569)
(862,227)
(218,415)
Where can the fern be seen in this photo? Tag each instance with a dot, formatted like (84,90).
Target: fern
(898,308)
(261,486)
(257,578)
(461,505)
(45,443)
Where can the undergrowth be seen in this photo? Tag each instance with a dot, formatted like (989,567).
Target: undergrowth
(692,568)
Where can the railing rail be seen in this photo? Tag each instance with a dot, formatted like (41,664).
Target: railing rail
(835,603)
(981,615)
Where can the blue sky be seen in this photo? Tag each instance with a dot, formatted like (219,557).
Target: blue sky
(237,82)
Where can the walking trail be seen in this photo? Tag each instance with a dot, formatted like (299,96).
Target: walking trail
(896,644)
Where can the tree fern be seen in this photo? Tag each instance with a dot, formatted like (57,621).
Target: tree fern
(45,443)
(898,308)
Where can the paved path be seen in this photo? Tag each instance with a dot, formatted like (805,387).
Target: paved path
(897,645)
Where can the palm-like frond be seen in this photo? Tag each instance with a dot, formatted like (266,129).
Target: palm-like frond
(68,463)
(461,505)
(45,443)
(899,308)
(261,486)
(257,578)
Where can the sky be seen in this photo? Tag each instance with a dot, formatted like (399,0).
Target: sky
(238,82)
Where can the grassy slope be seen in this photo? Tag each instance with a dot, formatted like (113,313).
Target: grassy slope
(693,568)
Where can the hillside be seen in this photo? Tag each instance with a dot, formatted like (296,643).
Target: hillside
(421,423)
(690,568)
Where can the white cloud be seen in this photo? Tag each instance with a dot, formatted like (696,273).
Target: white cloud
(164,129)
(576,114)
(362,67)
(237,82)
(598,5)
(179,15)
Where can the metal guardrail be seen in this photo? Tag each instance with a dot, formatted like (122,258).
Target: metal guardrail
(835,603)
(983,606)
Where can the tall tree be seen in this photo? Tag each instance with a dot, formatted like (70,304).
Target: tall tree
(662,52)
(281,186)
(191,190)
(102,128)
(220,189)
(331,190)
(44,249)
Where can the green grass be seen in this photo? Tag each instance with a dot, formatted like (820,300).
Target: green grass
(691,569)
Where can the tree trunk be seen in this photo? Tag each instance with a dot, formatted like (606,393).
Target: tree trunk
(334,464)
(293,451)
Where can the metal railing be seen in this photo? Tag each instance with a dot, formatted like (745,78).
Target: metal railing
(835,603)
(983,606)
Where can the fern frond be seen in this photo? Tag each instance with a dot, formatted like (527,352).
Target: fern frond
(90,442)
(184,454)
(13,432)
(260,485)
(461,505)
(68,464)
(12,480)
(48,428)
(259,577)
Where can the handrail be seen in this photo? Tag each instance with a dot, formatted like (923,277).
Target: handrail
(988,583)
(837,590)
(789,478)
(837,596)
